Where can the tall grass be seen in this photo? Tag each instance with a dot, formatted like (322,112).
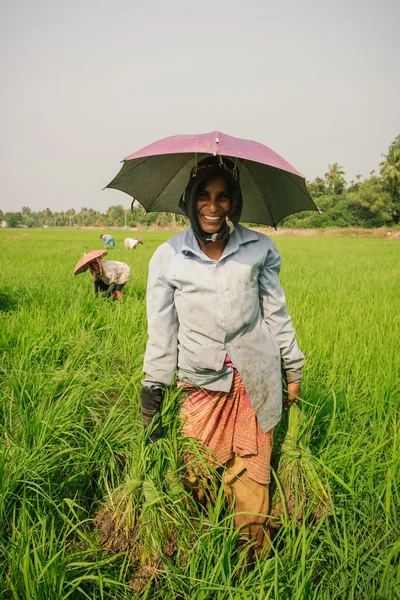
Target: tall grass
(70,431)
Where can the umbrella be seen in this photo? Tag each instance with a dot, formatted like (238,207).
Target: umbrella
(83,263)
(157,175)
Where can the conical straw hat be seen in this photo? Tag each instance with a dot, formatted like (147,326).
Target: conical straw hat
(83,263)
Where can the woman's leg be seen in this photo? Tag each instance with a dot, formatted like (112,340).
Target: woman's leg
(250,501)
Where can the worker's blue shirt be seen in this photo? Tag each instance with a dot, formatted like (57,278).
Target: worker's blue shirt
(199,310)
(108,241)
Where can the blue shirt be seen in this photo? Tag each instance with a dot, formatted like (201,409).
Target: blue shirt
(108,241)
(200,309)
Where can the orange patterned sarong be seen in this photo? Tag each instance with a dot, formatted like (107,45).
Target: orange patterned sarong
(227,424)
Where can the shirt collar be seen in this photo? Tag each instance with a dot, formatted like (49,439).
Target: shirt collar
(241,235)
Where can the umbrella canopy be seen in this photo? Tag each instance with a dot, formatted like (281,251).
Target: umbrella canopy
(157,175)
(83,263)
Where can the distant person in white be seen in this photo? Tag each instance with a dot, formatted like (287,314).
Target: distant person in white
(131,243)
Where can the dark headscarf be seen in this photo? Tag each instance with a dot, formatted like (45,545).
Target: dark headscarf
(99,267)
(207,168)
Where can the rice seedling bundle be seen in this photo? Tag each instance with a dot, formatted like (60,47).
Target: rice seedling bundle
(298,491)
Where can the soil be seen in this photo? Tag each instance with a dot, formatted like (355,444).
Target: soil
(111,538)
(295,506)
(12,238)
(115,540)
(378,233)
(144,573)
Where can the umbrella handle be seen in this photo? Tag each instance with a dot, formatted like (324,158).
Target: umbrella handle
(132,203)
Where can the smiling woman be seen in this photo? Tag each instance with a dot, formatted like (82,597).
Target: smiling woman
(217,314)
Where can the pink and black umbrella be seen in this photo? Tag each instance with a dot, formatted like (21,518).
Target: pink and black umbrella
(157,175)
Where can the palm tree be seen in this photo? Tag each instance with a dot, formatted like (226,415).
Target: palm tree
(70,214)
(116,215)
(45,216)
(317,187)
(26,211)
(334,178)
(390,172)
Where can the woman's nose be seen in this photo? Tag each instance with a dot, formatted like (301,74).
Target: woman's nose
(213,204)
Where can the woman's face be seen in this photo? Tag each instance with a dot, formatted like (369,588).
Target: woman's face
(213,204)
(94,267)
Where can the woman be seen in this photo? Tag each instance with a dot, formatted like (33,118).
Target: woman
(109,276)
(217,314)
(108,241)
(131,243)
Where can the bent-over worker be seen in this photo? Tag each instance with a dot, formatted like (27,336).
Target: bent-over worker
(131,243)
(109,277)
(108,241)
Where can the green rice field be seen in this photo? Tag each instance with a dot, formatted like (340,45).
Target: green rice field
(73,459)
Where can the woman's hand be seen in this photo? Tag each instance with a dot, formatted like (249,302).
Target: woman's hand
(293,395)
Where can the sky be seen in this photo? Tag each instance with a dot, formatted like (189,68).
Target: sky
(85,83)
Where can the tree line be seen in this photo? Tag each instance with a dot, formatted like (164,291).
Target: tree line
(115,216)
(370,202)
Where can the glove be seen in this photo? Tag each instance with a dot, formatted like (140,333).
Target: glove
(151,402)
(109,291)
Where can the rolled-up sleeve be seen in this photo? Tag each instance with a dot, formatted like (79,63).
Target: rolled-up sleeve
(160,361)
(275,314)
